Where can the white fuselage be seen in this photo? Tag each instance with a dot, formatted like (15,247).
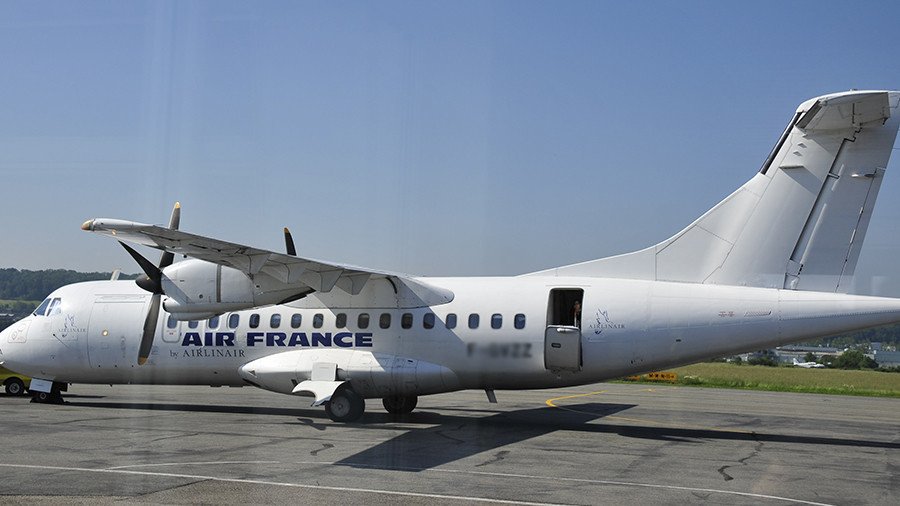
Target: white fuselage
(627,327)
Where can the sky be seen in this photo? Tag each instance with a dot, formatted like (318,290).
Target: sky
(431,138)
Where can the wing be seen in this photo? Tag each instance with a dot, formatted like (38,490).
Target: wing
(291,271)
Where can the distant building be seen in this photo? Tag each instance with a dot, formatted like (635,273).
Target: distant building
(887,358)
(787,354)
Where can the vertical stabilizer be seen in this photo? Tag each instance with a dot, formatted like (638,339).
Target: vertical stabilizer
(799,223)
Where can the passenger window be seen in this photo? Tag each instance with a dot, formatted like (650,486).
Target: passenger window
(473,321)
(193,324)
(428,321)
(254,321)
(234,320)
(385,320)
(496,321)
(318,320)
(275,321)
(171,322)
(213,323)
(406,320)
(451,321)
(363,321)
(296,320)
(519,321)
(42,309)
(341,320)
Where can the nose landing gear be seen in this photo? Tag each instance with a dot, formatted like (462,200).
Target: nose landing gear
(54,396)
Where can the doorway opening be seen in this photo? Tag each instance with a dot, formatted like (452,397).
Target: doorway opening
(564,307)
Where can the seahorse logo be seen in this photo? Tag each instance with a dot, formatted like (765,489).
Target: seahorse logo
(602,322)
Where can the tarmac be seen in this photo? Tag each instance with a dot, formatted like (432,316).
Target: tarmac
(600,444)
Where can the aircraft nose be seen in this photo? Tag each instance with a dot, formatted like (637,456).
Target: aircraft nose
(4,338)
(11,339)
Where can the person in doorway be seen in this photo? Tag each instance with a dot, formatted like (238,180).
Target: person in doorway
(576,313)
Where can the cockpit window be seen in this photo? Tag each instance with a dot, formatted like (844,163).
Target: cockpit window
(42,309)
(49,307)
(55,307)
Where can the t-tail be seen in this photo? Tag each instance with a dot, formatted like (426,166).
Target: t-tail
(799,223)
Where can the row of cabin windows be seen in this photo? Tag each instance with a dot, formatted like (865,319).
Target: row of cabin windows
(362,321)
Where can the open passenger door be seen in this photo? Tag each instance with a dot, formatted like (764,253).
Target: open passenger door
(562,338)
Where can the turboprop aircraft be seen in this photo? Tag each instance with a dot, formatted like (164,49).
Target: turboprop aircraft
(769,265)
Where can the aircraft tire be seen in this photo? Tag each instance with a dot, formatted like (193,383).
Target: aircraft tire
(345,406)
(15,386)
(399,404)
(47,398)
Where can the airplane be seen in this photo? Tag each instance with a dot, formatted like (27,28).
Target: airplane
(807,365)
(771,264)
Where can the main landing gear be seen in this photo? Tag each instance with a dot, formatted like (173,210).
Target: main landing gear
(345,405)
(400,405)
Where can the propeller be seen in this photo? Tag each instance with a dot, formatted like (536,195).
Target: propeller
(151,281)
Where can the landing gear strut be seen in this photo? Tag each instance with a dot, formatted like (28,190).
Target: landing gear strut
(400,405)
(345,405)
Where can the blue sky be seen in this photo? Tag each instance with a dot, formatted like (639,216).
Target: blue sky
(437,138)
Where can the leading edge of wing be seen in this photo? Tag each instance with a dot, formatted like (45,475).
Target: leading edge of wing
(319,275)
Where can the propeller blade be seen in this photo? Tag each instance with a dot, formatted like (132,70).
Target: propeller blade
(289,243)
(152,282)
(152,278)
(167,257)
(149,330)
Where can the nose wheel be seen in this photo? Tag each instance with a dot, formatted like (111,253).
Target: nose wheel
(345,406)
(47,398)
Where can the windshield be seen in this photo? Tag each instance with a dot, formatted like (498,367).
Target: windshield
(42,308)
(49,307)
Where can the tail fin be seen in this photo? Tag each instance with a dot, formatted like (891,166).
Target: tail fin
(799,223)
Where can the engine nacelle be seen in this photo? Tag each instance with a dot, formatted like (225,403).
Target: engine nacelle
(197,289)
(371,374)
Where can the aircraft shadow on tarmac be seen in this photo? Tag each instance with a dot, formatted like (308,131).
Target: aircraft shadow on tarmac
(445,438)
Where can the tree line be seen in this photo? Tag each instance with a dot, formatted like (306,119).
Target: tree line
(16,284)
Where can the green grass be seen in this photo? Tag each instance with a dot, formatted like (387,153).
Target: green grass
(10,302)
(790,379)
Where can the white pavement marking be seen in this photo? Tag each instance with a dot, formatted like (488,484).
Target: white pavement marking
(281,484)
(493,474)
